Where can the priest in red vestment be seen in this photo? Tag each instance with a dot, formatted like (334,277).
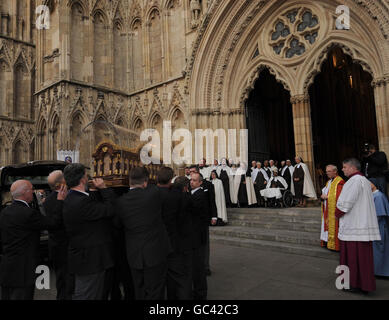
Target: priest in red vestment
(358,227)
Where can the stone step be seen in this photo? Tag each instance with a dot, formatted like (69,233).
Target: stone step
(308,226)
(305,213)
(287,236)
(312,251)
(270,218)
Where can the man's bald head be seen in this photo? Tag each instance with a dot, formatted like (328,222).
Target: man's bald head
(22,190)
(55,179)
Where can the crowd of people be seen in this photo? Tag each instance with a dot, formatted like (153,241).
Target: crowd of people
(151,241)
(355,218)
(257,185)
(148,242)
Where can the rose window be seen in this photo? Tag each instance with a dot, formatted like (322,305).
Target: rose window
(294,32)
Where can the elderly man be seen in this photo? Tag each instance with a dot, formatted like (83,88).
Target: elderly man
(200,219)
(329,197)
(58,240)
(20,234)
(358,227)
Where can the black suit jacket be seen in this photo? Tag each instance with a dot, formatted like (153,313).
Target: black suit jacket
(200,217)
(185,230)
(88,224)
(171,211)
(209,191)
(20,235)
(58,240)
(147,240)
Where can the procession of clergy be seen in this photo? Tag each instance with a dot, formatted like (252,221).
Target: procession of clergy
(239,186)
(354,213)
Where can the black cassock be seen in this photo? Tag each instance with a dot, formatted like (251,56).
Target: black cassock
(268,171)
(287,177)
(226,186)
(242,193)
(298,185)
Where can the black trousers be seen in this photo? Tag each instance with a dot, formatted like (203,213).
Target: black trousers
(149,283)
(179,276)
(90,287)
(63,280)
(207,253)
(115,278)
(199,278)
(13,293)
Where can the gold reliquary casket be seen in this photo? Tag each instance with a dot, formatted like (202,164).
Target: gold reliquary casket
(114,163)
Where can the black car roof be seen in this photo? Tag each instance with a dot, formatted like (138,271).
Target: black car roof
(30,168)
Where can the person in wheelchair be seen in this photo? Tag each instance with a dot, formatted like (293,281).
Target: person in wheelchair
(274,188)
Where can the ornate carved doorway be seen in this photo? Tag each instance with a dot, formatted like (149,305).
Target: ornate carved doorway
(269,119)
(342,110)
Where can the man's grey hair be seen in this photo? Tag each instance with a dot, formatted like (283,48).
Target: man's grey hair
(335,168)
(20,191)
(58,179)
(353,162)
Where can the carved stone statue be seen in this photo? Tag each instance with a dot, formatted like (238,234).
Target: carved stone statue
(195,8)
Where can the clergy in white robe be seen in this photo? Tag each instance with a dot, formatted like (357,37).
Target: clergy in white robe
(358,227)
(244,193)
(225,175)
(329,197)
(219,197)
(381,248)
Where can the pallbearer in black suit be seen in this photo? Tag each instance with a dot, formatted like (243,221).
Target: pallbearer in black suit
(209,191)
(88,225)
(147,240)
(58,240)
(172,215)
(20,236)
(200,221)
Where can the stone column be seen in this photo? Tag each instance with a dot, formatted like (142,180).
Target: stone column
(303,130)
(381,94)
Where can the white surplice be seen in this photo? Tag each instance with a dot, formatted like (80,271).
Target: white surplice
(324,234)
(251,197)
(360,221)
(220,199)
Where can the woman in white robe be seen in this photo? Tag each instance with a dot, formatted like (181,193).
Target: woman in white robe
(243,178)
(219,197)
(224,173)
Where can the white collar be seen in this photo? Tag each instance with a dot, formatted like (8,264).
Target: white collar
(86,193)
(193,191)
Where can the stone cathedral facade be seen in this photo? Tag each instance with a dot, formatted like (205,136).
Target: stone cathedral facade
(136,63)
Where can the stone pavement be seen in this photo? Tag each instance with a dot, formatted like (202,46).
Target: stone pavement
(253,274)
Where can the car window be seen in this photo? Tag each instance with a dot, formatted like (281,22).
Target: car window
(35,180)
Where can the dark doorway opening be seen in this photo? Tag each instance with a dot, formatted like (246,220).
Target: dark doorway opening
(342,110)
(269,119)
